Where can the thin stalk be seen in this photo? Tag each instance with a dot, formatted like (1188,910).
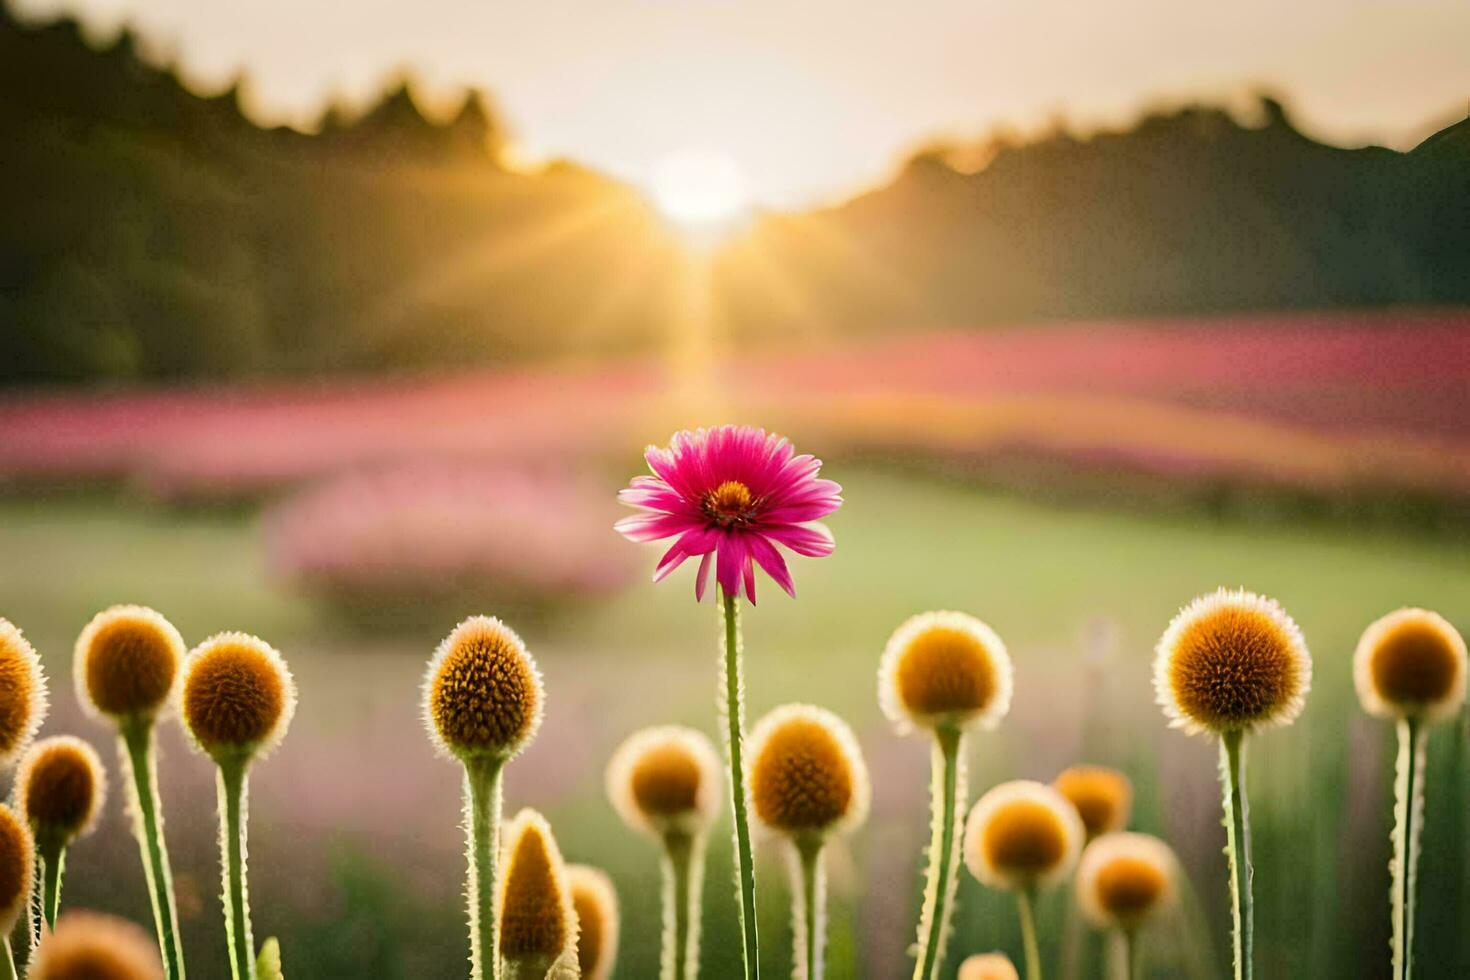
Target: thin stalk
(1026,899)
(136,736)
(1132,955)
(7,963)
(52,857)
(234,804)
(1408,812)
(35,915)
(939,881)
(734,709)
(683,868)
(810,913)
(1238,849)
(482,801)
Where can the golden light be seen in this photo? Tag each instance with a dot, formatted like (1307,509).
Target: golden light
(700,188)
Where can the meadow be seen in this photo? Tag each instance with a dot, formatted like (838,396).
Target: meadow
(356,851)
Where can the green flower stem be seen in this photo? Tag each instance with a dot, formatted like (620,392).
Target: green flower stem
(946,780)
(7,963)
(1238,849)
(811,908)
(734,708)
(1132,955)
(136,736)
(234,804)
(482,799)
(1026,899)
(51,854)
(683,870)
(1408,820)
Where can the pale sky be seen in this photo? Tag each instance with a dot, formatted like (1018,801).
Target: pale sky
(813,99)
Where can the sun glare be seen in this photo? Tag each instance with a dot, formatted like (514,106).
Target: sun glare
(699,188)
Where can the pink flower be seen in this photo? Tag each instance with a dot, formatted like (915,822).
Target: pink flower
(730,495)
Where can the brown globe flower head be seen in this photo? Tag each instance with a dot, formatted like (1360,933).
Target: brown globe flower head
(91,946)
(988,966)
(944,668)
(127,663)
(237,696)
(1232,661)
(482,692)
(1022,834)
(665,780)
(17,866)
(22,693)
(538,924)
(60,787)
(595,902)
(1411,663)
(807,775)
(1124,880)
(1103,797)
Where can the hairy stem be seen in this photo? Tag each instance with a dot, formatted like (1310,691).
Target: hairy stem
(234,804)
(1132,955)
(7,962)
(482,801)
(1238,849)
(946,778)
(734,710)
(1408,820)
(683,867)
(810,911)
(139,758)
(51,855)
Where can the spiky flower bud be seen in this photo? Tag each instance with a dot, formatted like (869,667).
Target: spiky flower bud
(1232,661)
(1103,797)
(1022,834)
(237,696)
(482,692)
(944,668)
(60,787)
(665,779)
(92,946)
(22,693)
(1123,880)
(807,775)
(17,867)
(988,966)
(538,924)
(1410,662)
(127,663)
(596,903)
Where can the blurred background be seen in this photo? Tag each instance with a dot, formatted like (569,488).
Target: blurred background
(337,326)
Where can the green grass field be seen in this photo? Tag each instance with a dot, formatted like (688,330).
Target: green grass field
(356,848)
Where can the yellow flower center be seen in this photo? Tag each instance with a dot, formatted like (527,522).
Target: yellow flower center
(730,503)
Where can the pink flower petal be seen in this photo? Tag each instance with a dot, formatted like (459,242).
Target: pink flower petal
(671,560)
(811,540)
(701,578)
(770,559)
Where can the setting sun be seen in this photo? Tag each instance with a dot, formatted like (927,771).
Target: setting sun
(699,187)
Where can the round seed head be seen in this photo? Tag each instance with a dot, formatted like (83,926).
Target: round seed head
(1103,797)
(1231,661)
(237,696)
(22,693)
(482,692)
(665,779)
(807,775)
(17,861)
(1022,834)
(596,904)
(92,946)
(944,668)
(537,921)
(1124,879)
(988,966)
(1410,663)
(60,786)
(126,663)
